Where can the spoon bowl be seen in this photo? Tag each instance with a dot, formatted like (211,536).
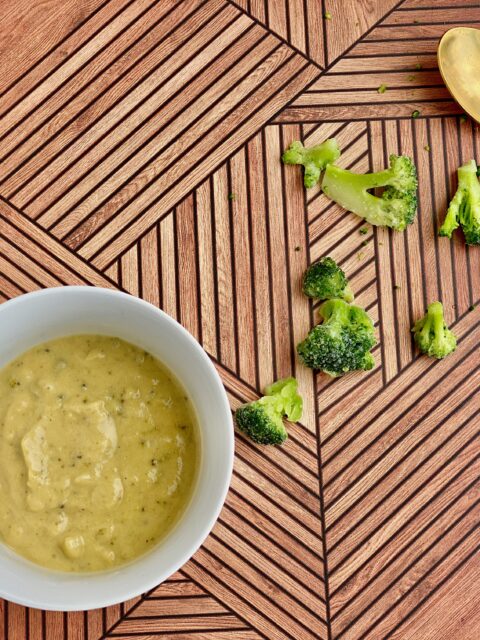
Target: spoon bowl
(459,63)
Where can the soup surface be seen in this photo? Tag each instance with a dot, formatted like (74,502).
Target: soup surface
(98,453)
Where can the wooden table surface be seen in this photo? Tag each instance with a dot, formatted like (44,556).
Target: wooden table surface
(125,127)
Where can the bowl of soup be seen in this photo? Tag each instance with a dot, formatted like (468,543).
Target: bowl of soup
(116,447)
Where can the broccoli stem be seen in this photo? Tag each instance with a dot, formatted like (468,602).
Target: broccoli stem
(350,190)
(435,311)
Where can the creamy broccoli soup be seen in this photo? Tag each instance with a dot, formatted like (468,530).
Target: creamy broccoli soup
(98,453)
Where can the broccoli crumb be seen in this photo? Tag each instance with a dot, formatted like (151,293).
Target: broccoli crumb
(463,118)
(363,231)
(396,287)
(427,147)
(364,243)
(328,15)
(360,255)
(472,307)
(415,113)
(298,248)
(232,196)
(382,88)
(418,66)
(411,78)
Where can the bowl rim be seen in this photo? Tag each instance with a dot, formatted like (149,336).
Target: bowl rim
(224,408)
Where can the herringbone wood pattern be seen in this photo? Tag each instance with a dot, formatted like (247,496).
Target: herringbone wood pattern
(139,147)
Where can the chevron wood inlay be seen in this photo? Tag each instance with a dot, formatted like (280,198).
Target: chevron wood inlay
(140,145)
(399,52)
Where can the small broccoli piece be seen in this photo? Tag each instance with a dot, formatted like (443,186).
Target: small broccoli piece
(262,420)
(314,159)
(324,280)
(395,208)
(342,342)
(432,335)
(464,208)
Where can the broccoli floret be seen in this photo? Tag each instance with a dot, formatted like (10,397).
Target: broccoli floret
(324,280)
(432,335)
(397,205)
(342,342)
(314,159)
(262,420)
(464,208)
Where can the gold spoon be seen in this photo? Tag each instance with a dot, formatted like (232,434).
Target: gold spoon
(459,63)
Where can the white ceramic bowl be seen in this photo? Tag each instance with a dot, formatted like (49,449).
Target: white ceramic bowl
(51,313)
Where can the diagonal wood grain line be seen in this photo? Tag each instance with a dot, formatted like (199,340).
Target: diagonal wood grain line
(320,466)
(471,538)
(224,582)
(299,24)
(411,464)
(202,601)
(409,567)
(70,220)
(408,69)
(353,450)
(102,256)
(375,586)
(134,77)
(387,395)
(388,550)
(86,27)
(299,15)
(408,495)
(144,138)
(387,488)
(31,106)
(98,222)
(46,251)
(108,630)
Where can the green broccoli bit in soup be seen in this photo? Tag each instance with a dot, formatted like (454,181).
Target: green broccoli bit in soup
(464,208)
(262,420)
(395,207)
(313,159)
(342,342)
(432,335)
(324,280)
